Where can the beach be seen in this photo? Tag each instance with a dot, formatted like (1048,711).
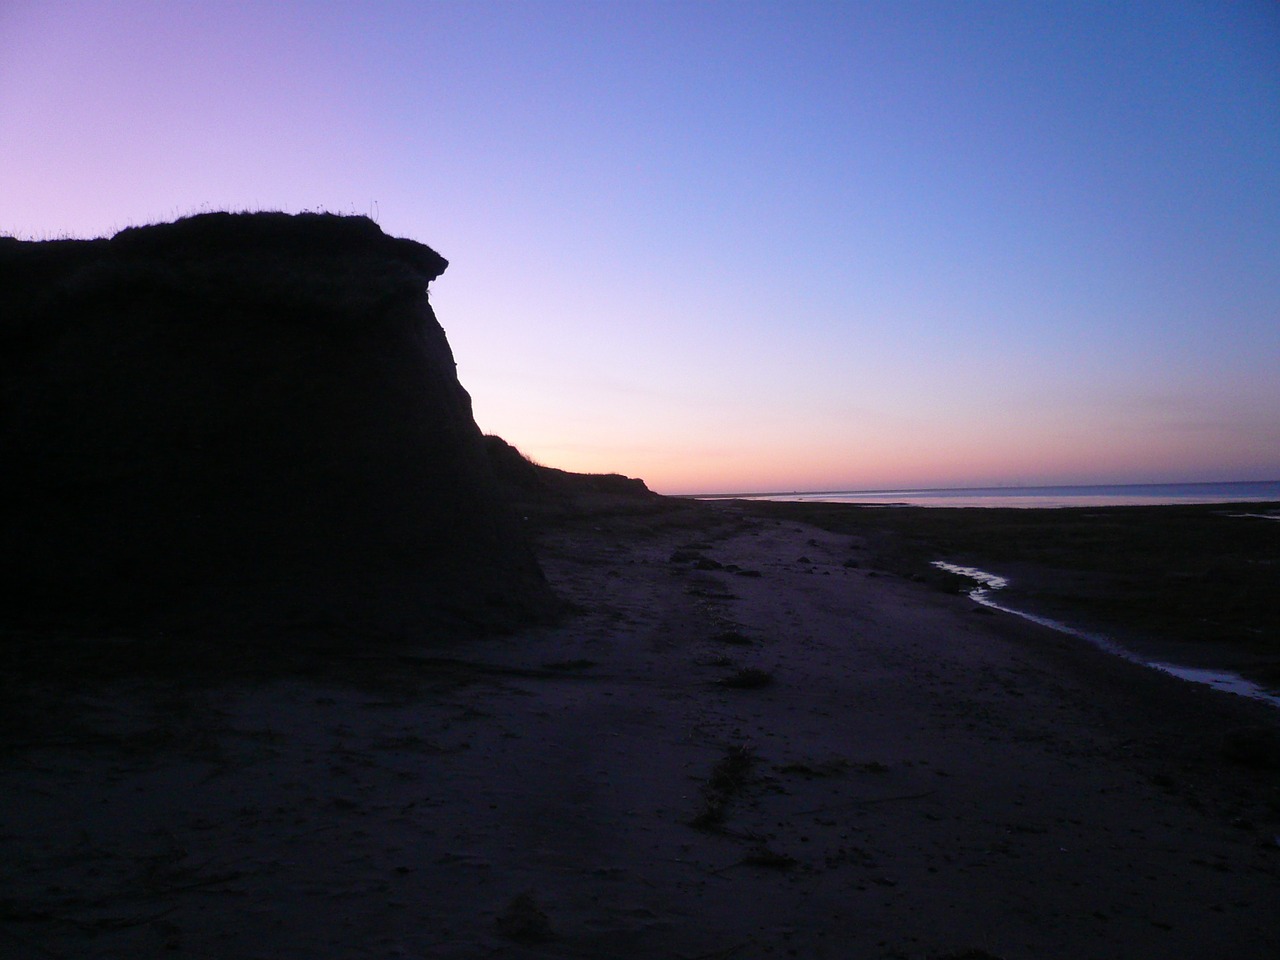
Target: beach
(749,737)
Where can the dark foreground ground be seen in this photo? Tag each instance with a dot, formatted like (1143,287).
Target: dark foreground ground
(752,738)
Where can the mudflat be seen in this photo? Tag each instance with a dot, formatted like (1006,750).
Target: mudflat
(1197,583)
(750,738)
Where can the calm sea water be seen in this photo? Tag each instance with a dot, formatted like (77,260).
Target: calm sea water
(1071,496)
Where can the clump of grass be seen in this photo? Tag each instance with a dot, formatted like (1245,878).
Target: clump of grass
(731,771)
(524,921)
(718,660)
(748,678)
(762,856)
(827,768)
(728,777)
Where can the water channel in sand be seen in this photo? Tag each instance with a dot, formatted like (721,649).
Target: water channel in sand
(989,583)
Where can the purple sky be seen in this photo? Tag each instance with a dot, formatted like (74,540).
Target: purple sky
(739,246)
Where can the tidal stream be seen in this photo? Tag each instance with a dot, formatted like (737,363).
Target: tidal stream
(989,583)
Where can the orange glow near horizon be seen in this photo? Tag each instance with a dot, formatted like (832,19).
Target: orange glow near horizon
(938,456)
(894,471)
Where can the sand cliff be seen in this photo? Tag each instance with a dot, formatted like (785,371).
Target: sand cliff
(244,419)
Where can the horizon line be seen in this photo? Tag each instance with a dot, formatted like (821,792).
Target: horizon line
(1008,486)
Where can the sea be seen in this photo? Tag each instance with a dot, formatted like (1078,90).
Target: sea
(1104,495)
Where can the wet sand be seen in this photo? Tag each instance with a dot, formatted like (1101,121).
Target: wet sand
(1190,584)
(745,742)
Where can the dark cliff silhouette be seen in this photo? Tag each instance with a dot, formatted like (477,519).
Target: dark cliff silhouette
(244,419)
(546,493)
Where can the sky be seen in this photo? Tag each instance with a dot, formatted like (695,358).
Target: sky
(738,246)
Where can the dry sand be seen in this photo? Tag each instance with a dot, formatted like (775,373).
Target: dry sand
(917,779)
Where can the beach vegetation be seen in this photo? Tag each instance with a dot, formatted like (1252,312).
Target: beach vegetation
(728,778)
(825,768)
(747,678)
(524,921)
(769,859)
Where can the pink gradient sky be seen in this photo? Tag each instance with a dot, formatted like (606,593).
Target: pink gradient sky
(739,246)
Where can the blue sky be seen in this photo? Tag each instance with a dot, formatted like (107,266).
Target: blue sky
(739,246)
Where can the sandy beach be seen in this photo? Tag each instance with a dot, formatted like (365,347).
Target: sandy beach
(743,742)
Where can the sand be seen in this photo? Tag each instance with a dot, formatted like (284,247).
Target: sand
(743,743)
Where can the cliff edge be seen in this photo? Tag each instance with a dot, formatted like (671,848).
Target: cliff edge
(244,420)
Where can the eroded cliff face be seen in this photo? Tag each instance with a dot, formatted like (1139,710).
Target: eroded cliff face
(248,419)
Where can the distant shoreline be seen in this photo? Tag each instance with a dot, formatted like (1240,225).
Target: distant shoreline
(1063,495)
